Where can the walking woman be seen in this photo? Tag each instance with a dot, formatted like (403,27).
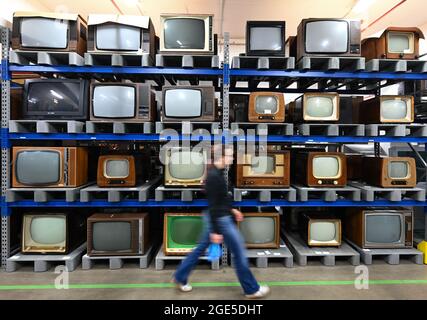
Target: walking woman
(220,227)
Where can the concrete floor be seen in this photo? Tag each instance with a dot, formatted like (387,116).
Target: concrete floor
(298,289)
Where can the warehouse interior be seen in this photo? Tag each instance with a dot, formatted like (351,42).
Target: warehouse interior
(319,277)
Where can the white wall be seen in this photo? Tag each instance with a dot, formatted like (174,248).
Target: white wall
(8,7)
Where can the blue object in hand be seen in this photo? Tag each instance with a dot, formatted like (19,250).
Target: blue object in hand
(214,252)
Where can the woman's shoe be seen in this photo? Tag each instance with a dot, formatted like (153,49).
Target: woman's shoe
(182,287)
(262,292)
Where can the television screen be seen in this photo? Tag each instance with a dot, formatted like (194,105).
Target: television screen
(266,105)
(326,167)
(183,103)
(266,38)
(187,165)
(53,97)
(401,42)
(258,230)
(114,101)
(44,33)
(398,170)
(112,236)
(48,231)
(114,36)
(184,231)
(188,33)
(394,109)
(38,167)
(385,229)
(263,165)
(319,107)
(326,37)
(116,168)
(321,231)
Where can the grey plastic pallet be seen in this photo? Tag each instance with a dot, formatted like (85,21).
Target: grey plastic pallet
(394,65)
(328,194)
(263,63)
(312,129)
(42,262)
(396,130)
(161,258)
(187,61)
(263,256)
(44,194)
(45,58)
(117,262)
(265,195)
(332,63)
(185,194)
(391,256)
(46,126)
(261,129)
(327,255)
(119,127)
(139,193)
(188,128)
(118,59)
(370,193)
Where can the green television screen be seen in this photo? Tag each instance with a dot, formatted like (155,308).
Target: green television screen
(183,232)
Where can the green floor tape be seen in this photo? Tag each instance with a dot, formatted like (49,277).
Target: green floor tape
(208,284)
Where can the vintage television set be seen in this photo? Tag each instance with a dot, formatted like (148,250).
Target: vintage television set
(117,234)
(320,231)
(380,229)
(265,168)
(187,34)
(54,233)
(119,170)
(41,31)
(315,107)
(261,230)
(121,34)
(394,43)
(265,38)
(55,167)
(320,169)
(328,37)
(181,232)
(135,102)
(65,99)
(188,103)
(391,172)
(387,109)
(185,167)
(266,107)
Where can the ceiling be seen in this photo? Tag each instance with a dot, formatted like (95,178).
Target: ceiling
(231,15)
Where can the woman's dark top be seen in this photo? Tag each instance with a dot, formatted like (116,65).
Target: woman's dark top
(218,198)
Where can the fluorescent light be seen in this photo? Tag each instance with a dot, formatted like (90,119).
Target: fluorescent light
(362,5)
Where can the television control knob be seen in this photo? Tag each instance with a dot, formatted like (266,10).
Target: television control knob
(319,182)
(335,182)
(273,118)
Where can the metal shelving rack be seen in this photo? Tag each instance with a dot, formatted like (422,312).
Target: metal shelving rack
(225,75)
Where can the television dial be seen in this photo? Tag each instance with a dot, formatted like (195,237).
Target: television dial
(319,182)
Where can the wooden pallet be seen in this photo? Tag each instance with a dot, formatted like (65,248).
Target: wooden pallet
(45,126)
(118,59)
(184,194)
(313,129)
(44,194)
(396,130)
(161,259)
(370,193)
(391,256)
(328,194)
(117,262)
(265,195)
(45,58)
(395,65)
(187,128)
(187,61)
(42,262)
(261,129)
(327,255)
(352,64)
(263,63)
(119,127)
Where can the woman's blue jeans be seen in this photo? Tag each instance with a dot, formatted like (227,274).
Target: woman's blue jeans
(234,241)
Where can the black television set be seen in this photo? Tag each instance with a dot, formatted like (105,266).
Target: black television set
(265,38)
(65,99)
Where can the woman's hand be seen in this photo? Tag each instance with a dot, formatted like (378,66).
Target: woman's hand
(237,214)
(216,238)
